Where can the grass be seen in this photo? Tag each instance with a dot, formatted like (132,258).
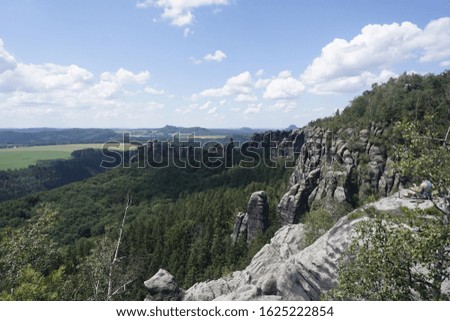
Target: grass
(22,157)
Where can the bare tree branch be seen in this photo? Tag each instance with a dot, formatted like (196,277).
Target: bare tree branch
(116,251)
(122,287)
(446,136)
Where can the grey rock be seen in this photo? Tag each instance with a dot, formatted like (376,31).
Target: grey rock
(256,220)
(258,215)
(240,227)
(163,287)
(286,270)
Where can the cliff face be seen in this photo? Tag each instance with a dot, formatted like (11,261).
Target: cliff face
(335,167)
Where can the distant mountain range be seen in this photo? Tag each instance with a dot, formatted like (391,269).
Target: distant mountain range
(55,136)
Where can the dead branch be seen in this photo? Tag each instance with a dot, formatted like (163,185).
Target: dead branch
(116,250)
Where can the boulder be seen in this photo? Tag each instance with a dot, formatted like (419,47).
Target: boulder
(163,287)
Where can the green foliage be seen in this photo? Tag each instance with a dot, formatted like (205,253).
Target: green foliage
(30,261)
(321,218)
(409,97)
(30,244)
(422,153)
(317,223)
(181,220)
(404,257)
(396,258)
(34,286)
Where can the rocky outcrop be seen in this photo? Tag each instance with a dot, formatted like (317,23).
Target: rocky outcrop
(287,270)
(336,167)
(163,287)
(256,220)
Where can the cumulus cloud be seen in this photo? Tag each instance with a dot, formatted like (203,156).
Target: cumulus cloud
(122,76)
(240,84)
(436,42)
(34,78)
(284,87)
(179,12)
(67,92)
(371,55)
(113,83)
(218,56)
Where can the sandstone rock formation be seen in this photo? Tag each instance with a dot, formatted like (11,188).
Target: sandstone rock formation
(256,220)
(336,167)
(285,269)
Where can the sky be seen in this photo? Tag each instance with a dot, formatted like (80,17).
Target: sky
(209,63)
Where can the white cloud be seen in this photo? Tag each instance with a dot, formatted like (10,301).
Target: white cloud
(206,105)
(154,91)
(7,61)
(259,73)
(262,83)
(179,12)
(352,84)
(284,87)
(33,78)
(436,41)
(245,98)
(114,83)
(122,76)
(39,92)
(285,74)
(195,60)
(240,84)
(218,56)
(370,56)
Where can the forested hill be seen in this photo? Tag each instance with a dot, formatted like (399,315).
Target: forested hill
(409,97)
(49,136)
(179,218)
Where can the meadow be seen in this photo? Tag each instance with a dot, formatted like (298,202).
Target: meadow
(22,157)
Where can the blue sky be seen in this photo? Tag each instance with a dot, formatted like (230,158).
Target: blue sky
(210,63)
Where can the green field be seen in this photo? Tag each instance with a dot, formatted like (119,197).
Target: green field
(22,157)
